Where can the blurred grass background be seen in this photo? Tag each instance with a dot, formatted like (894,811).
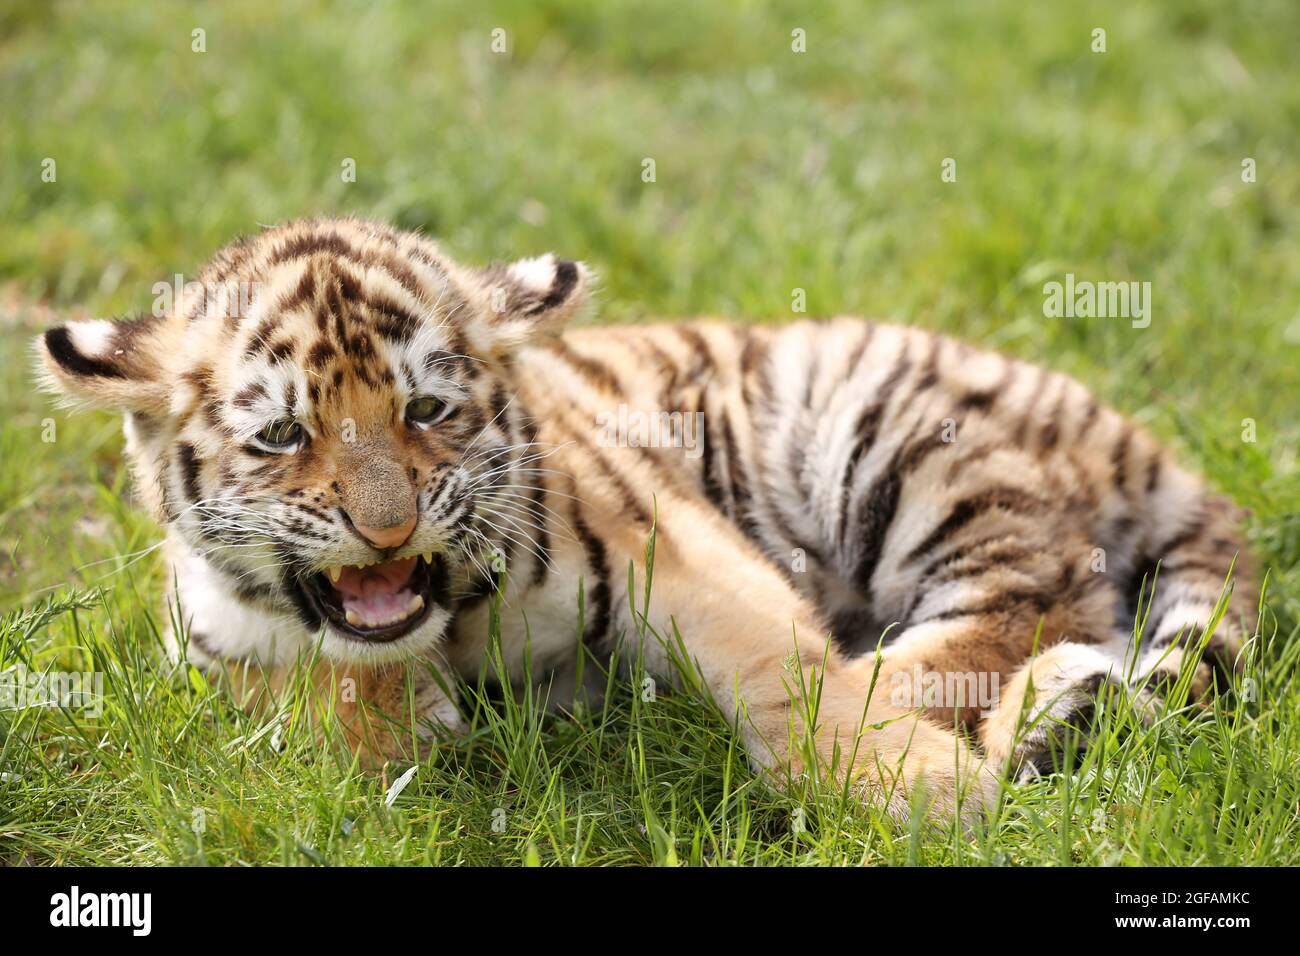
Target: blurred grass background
(775,170)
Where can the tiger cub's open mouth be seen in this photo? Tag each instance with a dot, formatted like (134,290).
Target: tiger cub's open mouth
(381,601)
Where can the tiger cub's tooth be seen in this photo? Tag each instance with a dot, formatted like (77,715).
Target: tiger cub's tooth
(428,557)
(334,571)
(353,618)
(414,604)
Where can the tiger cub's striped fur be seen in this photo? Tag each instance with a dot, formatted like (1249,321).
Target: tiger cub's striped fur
(355,459)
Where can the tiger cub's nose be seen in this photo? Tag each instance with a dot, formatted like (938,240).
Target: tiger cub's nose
(391,537)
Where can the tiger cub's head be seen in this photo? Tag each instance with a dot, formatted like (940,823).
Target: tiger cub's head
(324,418)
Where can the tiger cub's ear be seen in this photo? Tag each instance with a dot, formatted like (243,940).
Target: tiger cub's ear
(529,299)
(108,363)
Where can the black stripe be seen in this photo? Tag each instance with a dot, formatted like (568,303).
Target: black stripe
(982,399)
(320,354)
(930,368)
(260,338)
(1022,427)
(498,400)
(1119,458)
(596,373)
(249,396)
(517,421)
(281,350)
(981,551)
(701,355)
(877,515)
(566,277)
(963,463)
(59,344)
(667,369)
(229,260)
(866,428)
(543,539)
(1089,419)
(915,453)
(303,292)
(1040,600)
(1153,473)
(810,379)
(297,595)
(724,439)
(952,567)
(189,471)
(1051,432)
(349,285)
(709,471)
(480,589)
(596,629)
(740,496)
(334,244)
(252,593)
(968,509)
(856,355)
(507,545)
(753,365)
(631,502)
(316,513)
(305,530)
(392,320)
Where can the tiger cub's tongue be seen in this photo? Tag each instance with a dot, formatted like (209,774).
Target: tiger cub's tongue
(386,578)
(377,595)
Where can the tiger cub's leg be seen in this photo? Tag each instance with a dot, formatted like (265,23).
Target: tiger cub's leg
(1194,558)
(750,634)
(1005,587)
(1047,706)
(979,619)
(1052,700)
(1160,526)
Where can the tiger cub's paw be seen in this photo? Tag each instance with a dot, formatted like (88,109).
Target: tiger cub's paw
(1159,671)
(1223,655)
(1063,726)
(1049,710)
(1161,665)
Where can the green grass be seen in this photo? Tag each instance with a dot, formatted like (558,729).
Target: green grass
(775,170)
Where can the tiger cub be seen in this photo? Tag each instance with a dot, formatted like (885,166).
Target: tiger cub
(353,441)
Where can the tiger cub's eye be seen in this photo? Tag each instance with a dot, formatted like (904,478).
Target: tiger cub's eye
(282,435)
(426,411)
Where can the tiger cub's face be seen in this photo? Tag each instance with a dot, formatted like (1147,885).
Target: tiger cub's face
(323,418)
